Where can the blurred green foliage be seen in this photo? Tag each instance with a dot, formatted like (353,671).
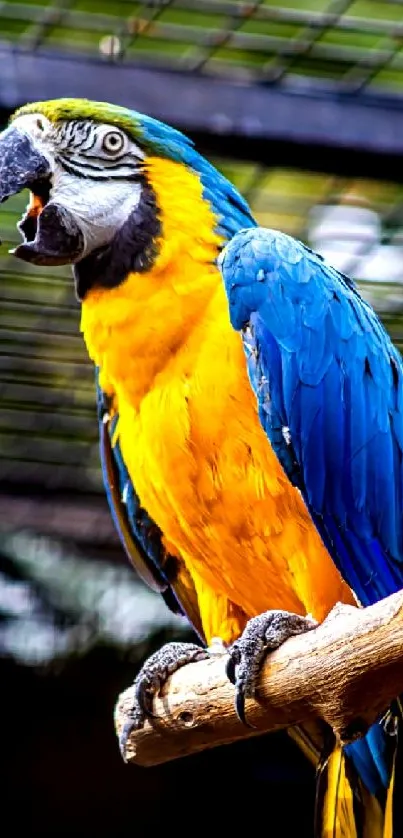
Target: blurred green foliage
(351,43)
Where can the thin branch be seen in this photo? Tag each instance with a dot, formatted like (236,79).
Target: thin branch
(346,672)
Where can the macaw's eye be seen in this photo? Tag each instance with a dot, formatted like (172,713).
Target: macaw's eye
(113,142)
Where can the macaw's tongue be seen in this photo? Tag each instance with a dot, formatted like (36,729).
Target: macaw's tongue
(29,223)
(52,236)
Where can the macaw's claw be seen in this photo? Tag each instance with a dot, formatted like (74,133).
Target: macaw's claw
(262,634)
(151,678)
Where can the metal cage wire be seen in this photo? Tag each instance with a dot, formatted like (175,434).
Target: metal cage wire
(353,43)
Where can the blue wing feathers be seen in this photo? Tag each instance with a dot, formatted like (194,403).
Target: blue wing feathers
(329,373)
(312,445)
(333,402)
(371,758)
(337,358)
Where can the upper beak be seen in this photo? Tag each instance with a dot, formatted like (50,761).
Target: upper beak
(51,233)
(21,165)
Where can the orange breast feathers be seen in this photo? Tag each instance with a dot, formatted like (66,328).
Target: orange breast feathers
(189,430)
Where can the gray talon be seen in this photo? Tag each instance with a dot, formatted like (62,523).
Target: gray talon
(151,678)
(123,738)
(262,634)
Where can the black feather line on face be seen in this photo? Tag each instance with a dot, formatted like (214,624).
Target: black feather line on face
(133,249)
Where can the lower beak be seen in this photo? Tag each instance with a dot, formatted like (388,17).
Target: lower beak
(51,234)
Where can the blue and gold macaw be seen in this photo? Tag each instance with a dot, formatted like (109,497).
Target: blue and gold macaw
(249,404)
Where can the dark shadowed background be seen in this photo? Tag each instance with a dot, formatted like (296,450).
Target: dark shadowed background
(300,104)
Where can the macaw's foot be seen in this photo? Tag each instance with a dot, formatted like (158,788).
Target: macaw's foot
(151,678)
(262,634)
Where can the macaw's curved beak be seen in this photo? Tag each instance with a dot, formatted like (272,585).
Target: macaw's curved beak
(21,164)
(51,234)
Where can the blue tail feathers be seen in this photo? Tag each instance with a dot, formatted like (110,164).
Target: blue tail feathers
(371,759)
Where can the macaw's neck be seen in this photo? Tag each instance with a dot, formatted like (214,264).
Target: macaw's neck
(135,330)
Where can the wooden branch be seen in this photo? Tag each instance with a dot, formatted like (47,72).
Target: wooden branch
(346,672)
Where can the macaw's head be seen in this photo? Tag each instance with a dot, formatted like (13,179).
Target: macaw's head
(93,203)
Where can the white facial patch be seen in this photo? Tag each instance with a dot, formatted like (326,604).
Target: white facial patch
(99,207)
(34,124)
(40,130)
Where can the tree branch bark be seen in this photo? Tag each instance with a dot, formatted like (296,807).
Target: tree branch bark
(346,672)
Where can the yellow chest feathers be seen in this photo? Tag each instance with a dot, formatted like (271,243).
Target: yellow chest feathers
(134,330)
(188,425)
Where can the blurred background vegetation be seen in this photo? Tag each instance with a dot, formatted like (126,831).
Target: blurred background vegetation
(75,621)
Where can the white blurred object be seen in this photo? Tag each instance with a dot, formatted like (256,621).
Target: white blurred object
(110,45)
(349,238)
(100,602)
